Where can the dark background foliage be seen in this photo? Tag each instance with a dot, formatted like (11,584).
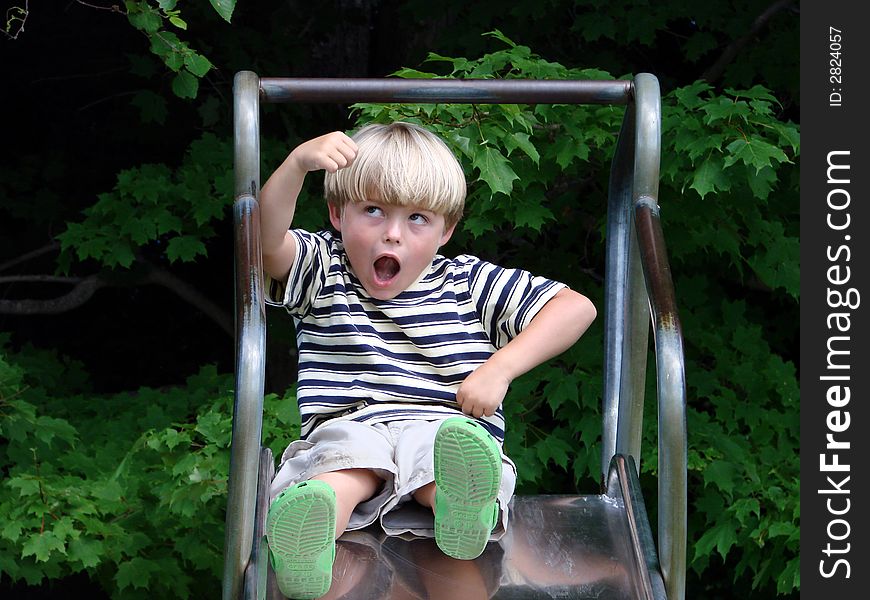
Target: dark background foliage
(76,76)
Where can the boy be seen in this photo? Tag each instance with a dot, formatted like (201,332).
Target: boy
(405,356)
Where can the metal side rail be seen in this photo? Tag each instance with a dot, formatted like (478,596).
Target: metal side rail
(671,388)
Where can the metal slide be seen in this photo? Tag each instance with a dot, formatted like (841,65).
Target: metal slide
(593,546)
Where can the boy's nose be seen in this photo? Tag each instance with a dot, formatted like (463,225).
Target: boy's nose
(393,232)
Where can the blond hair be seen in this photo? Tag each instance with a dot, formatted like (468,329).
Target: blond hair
(401,164)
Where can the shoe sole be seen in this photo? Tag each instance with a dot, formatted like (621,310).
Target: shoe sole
(467,479)
(300,529)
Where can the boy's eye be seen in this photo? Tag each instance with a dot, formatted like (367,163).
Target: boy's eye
(418,218)
(372,210)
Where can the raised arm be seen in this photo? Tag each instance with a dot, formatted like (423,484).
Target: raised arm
(329,152)
(553,330)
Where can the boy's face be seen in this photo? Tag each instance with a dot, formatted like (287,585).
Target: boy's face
(388,246)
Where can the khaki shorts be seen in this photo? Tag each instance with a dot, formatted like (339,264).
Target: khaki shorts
(400,452)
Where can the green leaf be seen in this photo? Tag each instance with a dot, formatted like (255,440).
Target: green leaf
(569,148)
(152,107)
(744,507)
(725,109)
(11,530)
(561,390)
(782,528)
(690,95)
(185,247)
(64,528)
(463,143)
(789,134)
(521,141)
(708,177)
(197,64)
(214,428)
(168,223)
(148,20)
(185,85)
(224,8)
(555,449)
(722,474)
(174,59)
(172,438)
(761,182)
(86,551)
(754,152)
(26,486)
(495,33)
(602,26)
(42,545)
(136,573)
(407,73)
(286,410)
(721,537)
(532,214)
(108,490)
(756,92)
(790,577)
(459,64)
(122,254)
(47,428)
(178,22)
(495,170)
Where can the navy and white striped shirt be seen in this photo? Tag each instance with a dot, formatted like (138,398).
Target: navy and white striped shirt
(373,360)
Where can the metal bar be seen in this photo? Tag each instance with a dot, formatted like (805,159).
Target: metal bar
(623,482)
(634,357)
(671,388)
(615,276)
(256,574)
(670,369)
(670,362)
(645,177)
(250,340)
(419,91)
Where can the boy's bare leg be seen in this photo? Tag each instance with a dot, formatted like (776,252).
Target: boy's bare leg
(351,487)
(426,495)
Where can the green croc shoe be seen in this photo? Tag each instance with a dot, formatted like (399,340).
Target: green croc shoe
(300,529)
(467,479)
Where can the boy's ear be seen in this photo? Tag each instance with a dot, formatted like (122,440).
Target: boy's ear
(334,216)
(447,233)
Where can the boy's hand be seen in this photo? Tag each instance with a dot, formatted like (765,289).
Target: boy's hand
(330,152)
(483,391)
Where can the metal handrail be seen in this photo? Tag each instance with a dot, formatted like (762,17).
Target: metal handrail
(671,389)
(668,339)
(250,339)
(632,261)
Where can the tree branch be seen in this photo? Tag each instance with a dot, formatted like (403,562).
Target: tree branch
(39,279)
(85,287)
(734,48)
(80,294)
(16,15)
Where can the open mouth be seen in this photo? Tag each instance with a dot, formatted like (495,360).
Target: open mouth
(386,269)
